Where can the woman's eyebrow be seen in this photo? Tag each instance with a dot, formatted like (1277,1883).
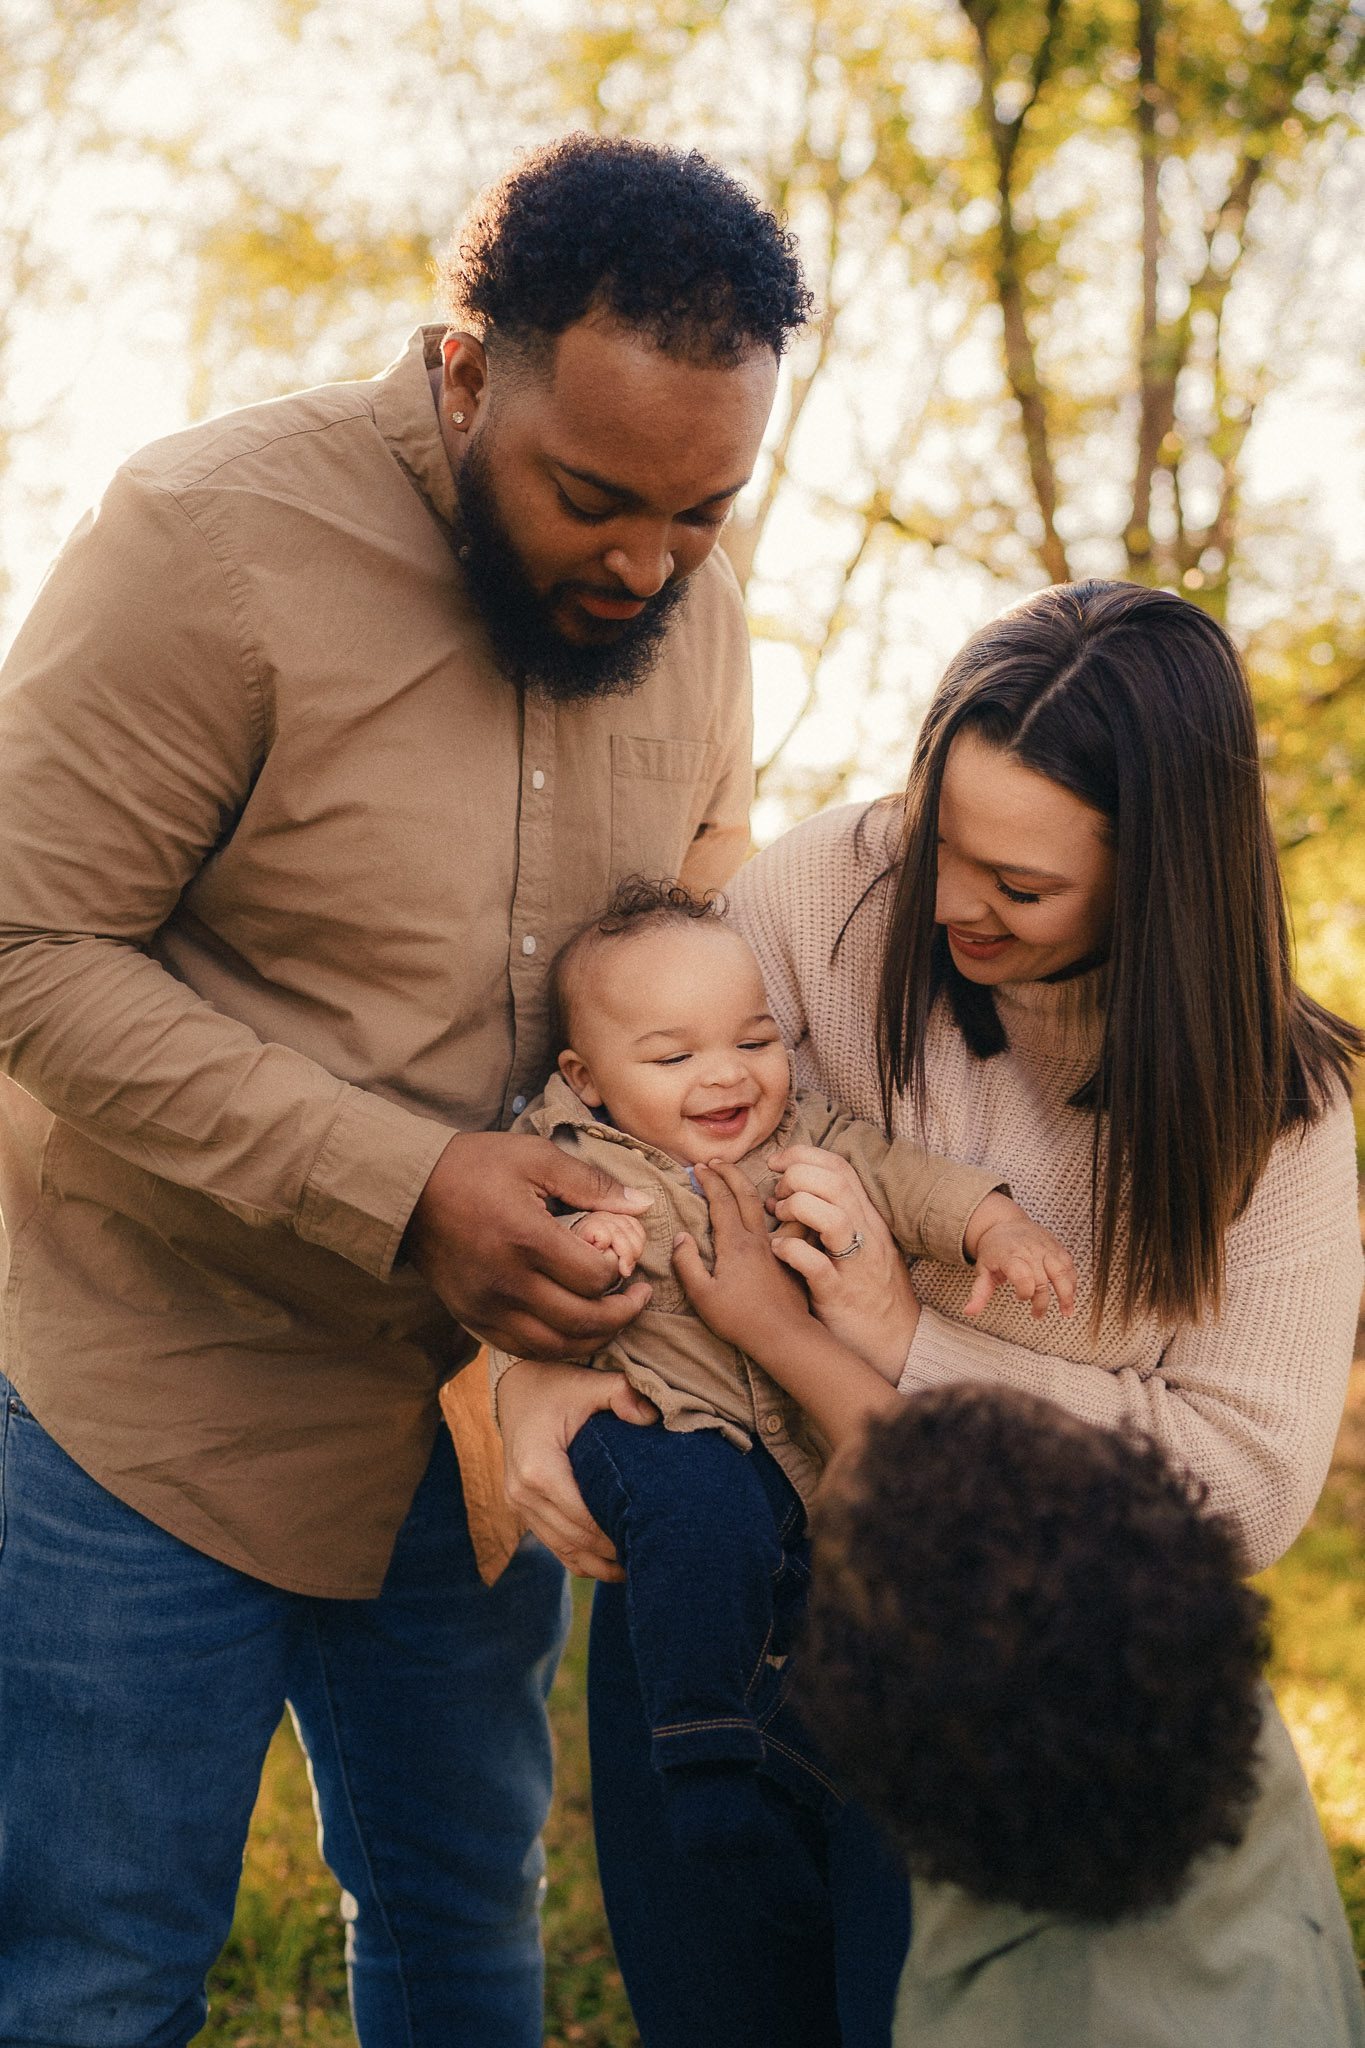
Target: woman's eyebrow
(611,490)
(1011,867)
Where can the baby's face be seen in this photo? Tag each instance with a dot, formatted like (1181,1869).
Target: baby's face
(672,1032)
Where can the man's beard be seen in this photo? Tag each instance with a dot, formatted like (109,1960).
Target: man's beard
(520,622)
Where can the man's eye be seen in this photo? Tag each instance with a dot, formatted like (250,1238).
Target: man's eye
(581,512)
(1015,895)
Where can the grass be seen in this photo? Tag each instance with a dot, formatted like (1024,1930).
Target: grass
(1318,1592)
(281,1980)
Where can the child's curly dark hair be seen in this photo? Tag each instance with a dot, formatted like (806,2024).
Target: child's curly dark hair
(637,903)
(1032,1655)
(663,241)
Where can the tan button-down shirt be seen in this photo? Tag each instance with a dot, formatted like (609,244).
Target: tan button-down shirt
(284,860)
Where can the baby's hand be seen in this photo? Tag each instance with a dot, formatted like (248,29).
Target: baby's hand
(622,1235)
(1010,1249)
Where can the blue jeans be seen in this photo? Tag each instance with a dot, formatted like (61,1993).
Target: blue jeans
(801,1946)
(713,1543)
(140,1683)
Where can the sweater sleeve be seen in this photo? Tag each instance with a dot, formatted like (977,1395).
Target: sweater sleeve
(1248,1401)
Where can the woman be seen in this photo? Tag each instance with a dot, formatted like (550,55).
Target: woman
(1066,956)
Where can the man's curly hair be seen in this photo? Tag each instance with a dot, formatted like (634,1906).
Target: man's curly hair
(1032,1655)
(661,241)
(639,903)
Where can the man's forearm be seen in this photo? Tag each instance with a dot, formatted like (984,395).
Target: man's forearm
(109,1041)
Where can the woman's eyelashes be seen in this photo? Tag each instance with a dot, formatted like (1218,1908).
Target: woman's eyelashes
(1017,895)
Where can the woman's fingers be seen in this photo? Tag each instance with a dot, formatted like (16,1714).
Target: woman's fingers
(805,1258)
(822,1174)
(831,1221)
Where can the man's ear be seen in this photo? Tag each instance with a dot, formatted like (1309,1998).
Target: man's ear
(464,377)
(579,1077)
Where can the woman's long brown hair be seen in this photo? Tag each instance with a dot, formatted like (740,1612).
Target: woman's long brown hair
(1135,701)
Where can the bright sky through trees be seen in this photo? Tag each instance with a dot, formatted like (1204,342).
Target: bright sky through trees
(1091,274)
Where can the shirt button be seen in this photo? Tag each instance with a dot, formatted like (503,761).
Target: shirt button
(538,779)
(772,1425)
(528,944)
(518,1104)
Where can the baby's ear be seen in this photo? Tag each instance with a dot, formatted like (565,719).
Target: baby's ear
(579,1078)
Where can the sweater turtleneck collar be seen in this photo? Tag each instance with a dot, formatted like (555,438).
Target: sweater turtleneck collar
(1062,1019)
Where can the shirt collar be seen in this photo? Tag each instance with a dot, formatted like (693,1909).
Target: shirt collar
(405,414)
(559,1108)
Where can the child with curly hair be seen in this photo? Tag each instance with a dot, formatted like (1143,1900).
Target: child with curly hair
(1032,1655)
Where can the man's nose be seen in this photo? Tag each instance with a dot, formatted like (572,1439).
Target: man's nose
(643,563)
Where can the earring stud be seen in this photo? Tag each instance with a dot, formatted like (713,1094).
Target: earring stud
(457,419)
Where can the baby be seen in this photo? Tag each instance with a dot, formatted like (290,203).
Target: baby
(1032,1657)
(671,1060)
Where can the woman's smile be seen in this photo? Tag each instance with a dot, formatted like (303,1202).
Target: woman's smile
(977,945)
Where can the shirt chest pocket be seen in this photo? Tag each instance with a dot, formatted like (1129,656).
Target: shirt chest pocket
(659,792)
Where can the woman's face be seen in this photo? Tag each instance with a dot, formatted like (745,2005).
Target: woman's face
(1025,870)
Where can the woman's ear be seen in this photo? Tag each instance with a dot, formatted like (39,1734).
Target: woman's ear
(579,1078)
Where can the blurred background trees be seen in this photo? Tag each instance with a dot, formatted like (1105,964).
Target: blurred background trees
(1089,273)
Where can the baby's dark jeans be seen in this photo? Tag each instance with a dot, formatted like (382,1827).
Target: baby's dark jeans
(713,1540)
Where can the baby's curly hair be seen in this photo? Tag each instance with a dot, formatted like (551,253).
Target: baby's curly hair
(637,904)
(1032,1655)
(663,241)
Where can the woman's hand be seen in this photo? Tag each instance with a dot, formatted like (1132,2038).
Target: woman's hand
(867,1301)
(752,1302)
(749,1299)
(541,1409)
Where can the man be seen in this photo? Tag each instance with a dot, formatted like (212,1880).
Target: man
(330,722)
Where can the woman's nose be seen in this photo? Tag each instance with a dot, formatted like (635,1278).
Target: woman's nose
(960,897)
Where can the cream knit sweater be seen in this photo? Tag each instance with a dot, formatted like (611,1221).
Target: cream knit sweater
(1249,1401)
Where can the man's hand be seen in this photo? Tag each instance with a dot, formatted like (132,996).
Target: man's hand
(541,1409)
(482,1235)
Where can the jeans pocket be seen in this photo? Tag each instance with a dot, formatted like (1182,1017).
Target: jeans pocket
(12,1410)
(8,1401)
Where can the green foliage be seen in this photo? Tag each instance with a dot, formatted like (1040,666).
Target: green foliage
(1318,1596)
